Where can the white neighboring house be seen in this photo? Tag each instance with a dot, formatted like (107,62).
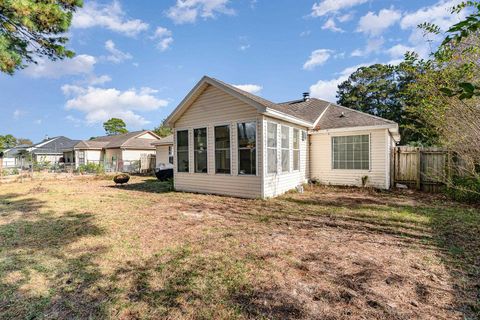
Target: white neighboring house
(50,150)
(230,142)
(115,152)
(164,151)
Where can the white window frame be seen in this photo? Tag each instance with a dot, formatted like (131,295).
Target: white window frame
(288,148)
(369,152)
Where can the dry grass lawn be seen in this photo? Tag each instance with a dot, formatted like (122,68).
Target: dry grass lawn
(85,249)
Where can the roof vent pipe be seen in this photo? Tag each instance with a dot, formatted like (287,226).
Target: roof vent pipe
(306,96)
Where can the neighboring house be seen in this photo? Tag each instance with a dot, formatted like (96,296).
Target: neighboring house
(230,142)
(164,151)
(49,151)
(116,152)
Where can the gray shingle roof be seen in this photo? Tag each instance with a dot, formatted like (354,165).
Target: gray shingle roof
(54,145)
(127,140)
(341,117)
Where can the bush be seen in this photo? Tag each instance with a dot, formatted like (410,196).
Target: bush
(10,172)
(465,189)
(91,168)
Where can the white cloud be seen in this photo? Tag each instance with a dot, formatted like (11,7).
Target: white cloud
(305,33)
(76,122)
(164,37)
(375,24)
(81,64)
(109,16)
(244,47)
(101,104)
(330,25)
(18,113)
(346,17)
(373,46)
(325,7)
(399,50)
(187,11)
(327,89)
(438,14)
(252,88)
(116,55)
(317,58)
(94,80)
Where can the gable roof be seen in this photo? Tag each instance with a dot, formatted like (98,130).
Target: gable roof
(165,141)
(128,140)
(54,145)
(313,113)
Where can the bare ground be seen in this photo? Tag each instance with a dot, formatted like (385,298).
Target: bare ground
(87,249)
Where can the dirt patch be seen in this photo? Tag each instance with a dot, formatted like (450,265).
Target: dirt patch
(144,252)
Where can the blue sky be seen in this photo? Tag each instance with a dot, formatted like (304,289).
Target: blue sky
(136,59)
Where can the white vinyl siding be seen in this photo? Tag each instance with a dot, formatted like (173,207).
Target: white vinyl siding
(135,155)
(214,107)
(281,182)
(162,155)
(321,160)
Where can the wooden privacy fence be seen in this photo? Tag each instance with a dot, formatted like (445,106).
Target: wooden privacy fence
(424,169)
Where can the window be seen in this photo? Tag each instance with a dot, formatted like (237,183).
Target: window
(222,149)
(296,149)
(81,157)
(285,149)
(271,147)
(351,152)
(170,154)
(247,152)
(182,151)
(200,150)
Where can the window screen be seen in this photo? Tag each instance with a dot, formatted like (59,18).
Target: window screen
(222,149)
(247,151)
(296,149)
(271,147)
(285,149)
(351,152)
(182,151)
(200,150)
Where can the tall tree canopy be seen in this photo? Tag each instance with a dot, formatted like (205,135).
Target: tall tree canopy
(163,130)
(34,28)
(115,126)
(381,90)
(7,141)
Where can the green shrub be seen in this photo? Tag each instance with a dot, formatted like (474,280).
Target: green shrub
(10,172)
(91,168)
(465,189)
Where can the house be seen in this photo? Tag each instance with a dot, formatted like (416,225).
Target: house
(50,151)
(115,152)
(230,142)
(164,151)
